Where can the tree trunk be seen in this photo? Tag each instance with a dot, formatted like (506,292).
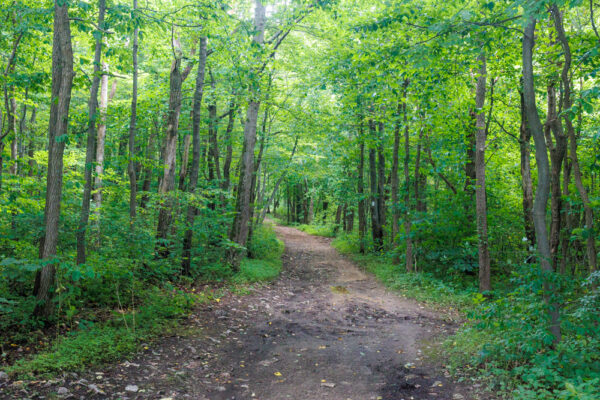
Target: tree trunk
(543,186)
(101,139)
(480,190)
(131,168)
(62,83)
(214,169)
(526,182)
(566,232)
(407,207)
(420,179)
(229,150)
(21,133)
(567,103)
(381,179)
(167,184)
(362,217)
(11,106)
(240,227)
(14,155)
(31,148)
(185,160)
(394,172)
(150,158)
(186,258)
(376,229)
(91,139)
(557,155)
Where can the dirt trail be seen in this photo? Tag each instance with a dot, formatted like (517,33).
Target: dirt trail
(323,330)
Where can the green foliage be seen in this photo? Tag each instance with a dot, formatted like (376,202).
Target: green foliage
(506,341)
(326,230)
(422,286)
(266,251)
(111,340)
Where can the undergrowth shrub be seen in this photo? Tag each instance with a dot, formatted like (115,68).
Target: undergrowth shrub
(266,251)
(121,335)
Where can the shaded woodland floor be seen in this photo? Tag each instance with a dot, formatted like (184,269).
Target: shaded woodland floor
(323,330)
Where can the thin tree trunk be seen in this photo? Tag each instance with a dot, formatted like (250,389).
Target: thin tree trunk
(62,83)
(213,137)
(21,133)
(381,179)
(131,168)
(407,207)
(150,158)
(31,150)
(394,173)
(185,160)
(10,105)
(186,258)
(480,190)
(101,139)
(376,228)
(567,103)
(14,155)
(240,227)
(557,149)
(566,232)
(362,217)
(167,184)
(91,139)
(543,187)
(229,149)
(526,181)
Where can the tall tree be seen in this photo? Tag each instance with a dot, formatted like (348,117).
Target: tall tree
(543,186)
(167,184)
(91,139)
(567,104)
(480,190)
(186,260)
(240,227)
(131,168)
(62,83)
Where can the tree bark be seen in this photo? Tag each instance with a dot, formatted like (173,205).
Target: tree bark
(394,173)
(557,154)
(62,83)
(229,146)
(577,175)
(195,170)
(407,207)
(167,184)
(381,179)
(185,160)
(91,139)
(526,181)
(31,148)
(480,189)
(101,139)
(362,211)
(240,227)
(376,228)
(543,186)
(10,105)
(131,168)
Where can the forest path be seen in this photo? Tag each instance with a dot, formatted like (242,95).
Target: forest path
(322,330)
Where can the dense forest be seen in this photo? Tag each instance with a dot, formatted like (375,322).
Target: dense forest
(451,148)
